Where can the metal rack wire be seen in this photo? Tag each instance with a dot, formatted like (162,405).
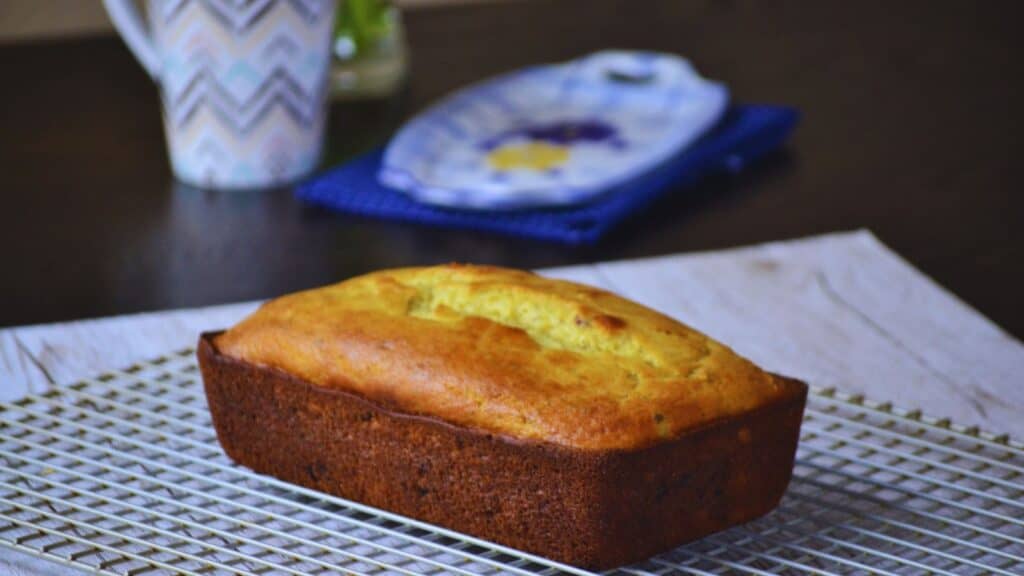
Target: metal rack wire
(122,474)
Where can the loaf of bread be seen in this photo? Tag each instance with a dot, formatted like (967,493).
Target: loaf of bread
(549,416)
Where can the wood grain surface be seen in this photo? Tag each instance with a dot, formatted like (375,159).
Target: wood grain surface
(839,310)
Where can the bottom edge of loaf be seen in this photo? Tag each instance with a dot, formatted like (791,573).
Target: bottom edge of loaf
(593,509)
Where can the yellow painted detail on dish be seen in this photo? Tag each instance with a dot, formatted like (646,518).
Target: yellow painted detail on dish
(529,156)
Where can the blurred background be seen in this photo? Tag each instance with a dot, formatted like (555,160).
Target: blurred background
(910,127)
(41,19)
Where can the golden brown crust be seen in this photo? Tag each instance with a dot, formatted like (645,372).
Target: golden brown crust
(591,508)
(507,352)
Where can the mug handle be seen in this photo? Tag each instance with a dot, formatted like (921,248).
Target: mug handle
(126,18)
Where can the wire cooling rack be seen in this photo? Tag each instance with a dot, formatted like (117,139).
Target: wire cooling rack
(122,474)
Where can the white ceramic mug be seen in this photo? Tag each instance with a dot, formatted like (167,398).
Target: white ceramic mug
(243,84)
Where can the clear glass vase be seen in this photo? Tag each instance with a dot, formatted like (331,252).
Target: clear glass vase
(370,59)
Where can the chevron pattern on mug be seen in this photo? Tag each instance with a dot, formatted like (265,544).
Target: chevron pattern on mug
(243,84)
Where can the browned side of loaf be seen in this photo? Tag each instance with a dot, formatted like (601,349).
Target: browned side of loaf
(591,509)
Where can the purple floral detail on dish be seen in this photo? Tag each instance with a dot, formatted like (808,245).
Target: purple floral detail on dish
(562,133)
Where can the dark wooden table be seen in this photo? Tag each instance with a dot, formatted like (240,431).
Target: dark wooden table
(912,122)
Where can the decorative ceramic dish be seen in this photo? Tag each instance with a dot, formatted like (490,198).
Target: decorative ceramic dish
(553,135)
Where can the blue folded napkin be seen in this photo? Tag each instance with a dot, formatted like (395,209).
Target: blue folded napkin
(745,133)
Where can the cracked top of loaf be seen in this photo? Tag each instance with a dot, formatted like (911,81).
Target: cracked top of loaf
(507,352)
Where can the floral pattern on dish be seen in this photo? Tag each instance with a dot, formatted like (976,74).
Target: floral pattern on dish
(553,135)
